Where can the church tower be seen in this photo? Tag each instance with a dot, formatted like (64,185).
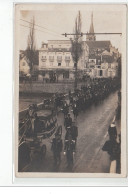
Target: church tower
(91,36)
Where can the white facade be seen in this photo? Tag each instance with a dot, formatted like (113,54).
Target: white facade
(24,67)
(57,55)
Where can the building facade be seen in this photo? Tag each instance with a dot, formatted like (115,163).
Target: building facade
(24,66)
(55,58)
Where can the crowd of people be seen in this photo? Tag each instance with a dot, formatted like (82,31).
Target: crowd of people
(78,101)
(81,99)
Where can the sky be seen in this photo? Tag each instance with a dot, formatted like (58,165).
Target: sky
(56,20)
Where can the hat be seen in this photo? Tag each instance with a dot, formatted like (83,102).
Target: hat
(112,125)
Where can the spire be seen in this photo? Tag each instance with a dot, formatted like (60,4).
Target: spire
(91,26)
(91,36)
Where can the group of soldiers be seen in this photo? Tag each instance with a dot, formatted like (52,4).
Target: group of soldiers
(93,93)
(75,102)
(78,101)
(71,133)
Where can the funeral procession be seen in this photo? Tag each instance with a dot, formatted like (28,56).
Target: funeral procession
(69,92)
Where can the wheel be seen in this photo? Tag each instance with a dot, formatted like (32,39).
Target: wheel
(43,151)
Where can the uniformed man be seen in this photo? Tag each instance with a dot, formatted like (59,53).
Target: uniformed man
(112,131)
(68,121)
(74,131)
(75,110)
(57,148)
(65,109)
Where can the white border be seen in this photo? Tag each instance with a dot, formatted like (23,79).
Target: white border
(6,48)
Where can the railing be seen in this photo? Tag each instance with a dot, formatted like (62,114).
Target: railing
(44,59)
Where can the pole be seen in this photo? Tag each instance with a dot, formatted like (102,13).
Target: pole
(75,84)
(81,34)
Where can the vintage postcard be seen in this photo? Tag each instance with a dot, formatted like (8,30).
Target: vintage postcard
(70,90)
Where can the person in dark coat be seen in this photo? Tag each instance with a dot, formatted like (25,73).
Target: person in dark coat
(113,149)
(112,131)
(68,121)
(74,131)
(57,148)
(112,146)
(36,125)
(75,110)
(65,109)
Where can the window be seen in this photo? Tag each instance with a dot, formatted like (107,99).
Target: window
(100,72)
(59,59)
(23,63)
(59,64)
(43,58)
(51,46)
(66,75)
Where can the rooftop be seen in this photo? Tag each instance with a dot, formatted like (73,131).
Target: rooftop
(98,44)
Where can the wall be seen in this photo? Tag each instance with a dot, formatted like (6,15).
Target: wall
(24,67)
(47,87)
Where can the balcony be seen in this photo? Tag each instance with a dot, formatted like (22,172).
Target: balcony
(43,59)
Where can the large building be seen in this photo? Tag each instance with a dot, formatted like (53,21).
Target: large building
(55,58)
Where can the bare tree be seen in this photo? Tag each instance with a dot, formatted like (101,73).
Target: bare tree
(76,42)
(31,52)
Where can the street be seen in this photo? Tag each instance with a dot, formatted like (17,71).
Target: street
(92,134)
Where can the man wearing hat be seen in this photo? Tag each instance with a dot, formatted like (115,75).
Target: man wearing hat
(68,121)
(112,131)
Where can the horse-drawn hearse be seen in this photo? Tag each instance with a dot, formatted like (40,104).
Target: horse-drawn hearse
(34,130)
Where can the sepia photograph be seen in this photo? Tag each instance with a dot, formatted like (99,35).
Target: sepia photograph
(70,76)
